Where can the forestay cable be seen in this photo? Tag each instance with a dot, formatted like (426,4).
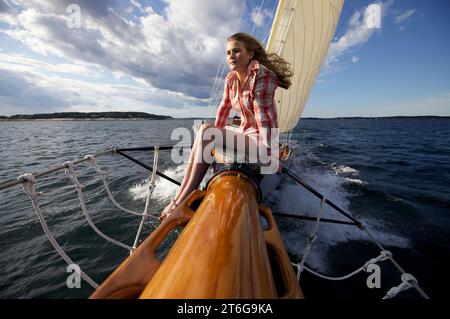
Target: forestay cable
(408,281)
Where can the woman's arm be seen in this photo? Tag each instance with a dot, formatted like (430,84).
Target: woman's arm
(264,104)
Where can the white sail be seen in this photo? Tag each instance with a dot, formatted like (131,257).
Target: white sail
(301,33)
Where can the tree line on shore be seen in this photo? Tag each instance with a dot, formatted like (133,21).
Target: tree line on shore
(88,115)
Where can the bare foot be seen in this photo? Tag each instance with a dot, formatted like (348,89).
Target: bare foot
(168,210)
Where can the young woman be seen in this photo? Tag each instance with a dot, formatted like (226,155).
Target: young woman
(249,89)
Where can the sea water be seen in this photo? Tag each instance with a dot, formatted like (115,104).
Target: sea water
(391,174)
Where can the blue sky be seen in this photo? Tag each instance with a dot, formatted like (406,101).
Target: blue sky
(162,57)
(402,69)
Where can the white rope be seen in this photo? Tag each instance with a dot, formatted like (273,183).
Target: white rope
(312,238)
(103,175)
(151,188)
(29,188)
(384,255)
(397,265)
(70,173)
(408,281)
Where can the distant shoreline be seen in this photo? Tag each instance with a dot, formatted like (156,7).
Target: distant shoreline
(420,117)
(83,116)
(131,116)
(82,119)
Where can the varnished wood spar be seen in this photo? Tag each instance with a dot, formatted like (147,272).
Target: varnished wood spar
(130,278)
(222,252)
(290,286)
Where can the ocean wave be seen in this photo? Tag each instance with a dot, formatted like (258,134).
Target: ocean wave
(354,181)
(342,169)
(164,189)
(294,199)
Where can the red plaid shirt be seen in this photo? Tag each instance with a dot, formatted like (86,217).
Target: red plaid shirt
(255,101)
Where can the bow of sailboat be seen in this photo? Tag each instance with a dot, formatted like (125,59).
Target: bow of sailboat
(224,252)
(230,246)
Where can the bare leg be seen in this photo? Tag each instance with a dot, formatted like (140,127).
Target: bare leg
(194,173)
(197,166)
(187,173)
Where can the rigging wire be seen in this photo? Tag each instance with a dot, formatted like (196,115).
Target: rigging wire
(257,17)
(407,279)
(216,91)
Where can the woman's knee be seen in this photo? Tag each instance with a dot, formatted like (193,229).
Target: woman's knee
(204,126)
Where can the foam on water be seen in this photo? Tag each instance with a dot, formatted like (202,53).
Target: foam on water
(290,198)
(353,181)
(294,199)
(164,190)
(329,180)
(400,164)
(342,169)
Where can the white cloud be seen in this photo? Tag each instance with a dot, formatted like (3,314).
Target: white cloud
(129,10)
(137,5)
(177,50)
(21,62)
(26,88)
(258,17)
(404,16)
(357,34)
(355,59)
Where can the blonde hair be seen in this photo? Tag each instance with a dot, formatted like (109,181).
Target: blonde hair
(272,61)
